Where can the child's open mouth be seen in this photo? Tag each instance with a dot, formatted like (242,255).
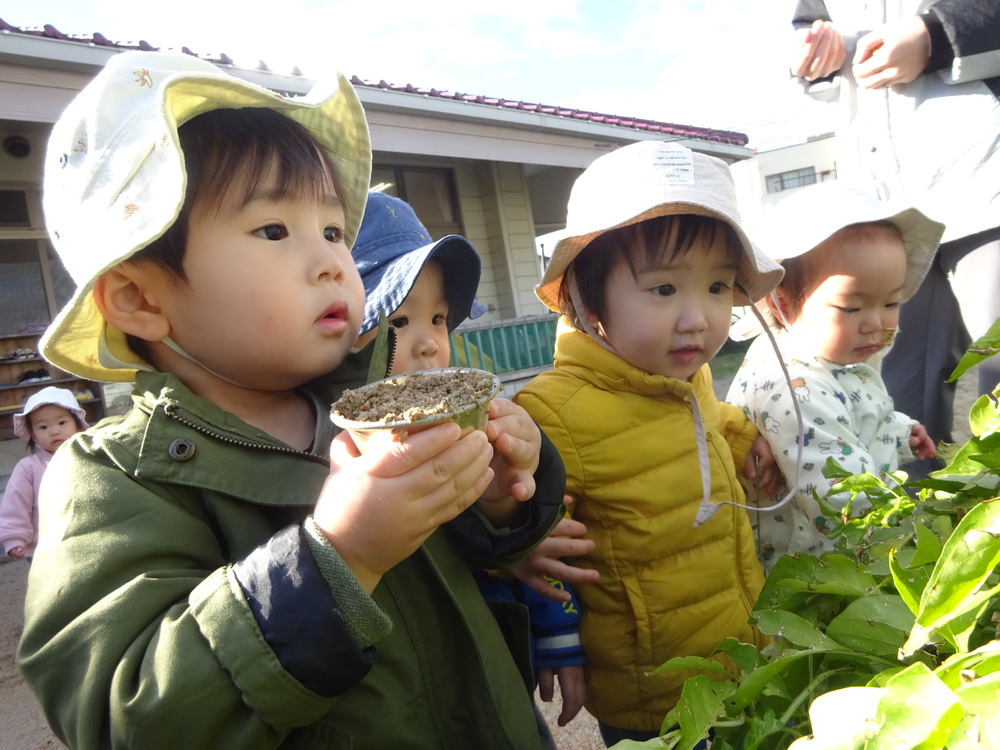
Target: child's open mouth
(334,318)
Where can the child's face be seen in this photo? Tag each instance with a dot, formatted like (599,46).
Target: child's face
(850,315)
(272,297)
(672,318)
(51,426)
(421,323)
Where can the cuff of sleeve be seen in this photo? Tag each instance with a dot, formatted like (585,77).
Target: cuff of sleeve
(942,53)
(365,620)
(559,650)
(298,617)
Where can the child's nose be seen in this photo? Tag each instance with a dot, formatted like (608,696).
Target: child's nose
(693,318)
(872,321)
(328,262)
(426,346)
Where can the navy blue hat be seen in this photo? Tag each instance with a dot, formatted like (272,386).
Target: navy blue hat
(391,250)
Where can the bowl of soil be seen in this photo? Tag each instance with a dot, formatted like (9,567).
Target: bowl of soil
(394,407)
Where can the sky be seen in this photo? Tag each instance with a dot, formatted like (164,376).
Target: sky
(708,63)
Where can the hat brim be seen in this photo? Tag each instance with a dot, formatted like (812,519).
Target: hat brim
(389,285)
(755,272)
(79,340)
(920,235)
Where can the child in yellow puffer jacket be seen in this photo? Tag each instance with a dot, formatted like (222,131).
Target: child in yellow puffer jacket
(646,276)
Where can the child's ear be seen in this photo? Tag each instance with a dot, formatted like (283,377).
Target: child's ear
(779,303)
(125,298)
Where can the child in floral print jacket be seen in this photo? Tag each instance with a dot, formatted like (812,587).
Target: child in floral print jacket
(849,265)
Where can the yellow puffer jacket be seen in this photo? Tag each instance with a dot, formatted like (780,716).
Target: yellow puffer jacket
(667,588)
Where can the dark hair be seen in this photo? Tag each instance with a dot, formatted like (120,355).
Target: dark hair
(646,242)
(228,153)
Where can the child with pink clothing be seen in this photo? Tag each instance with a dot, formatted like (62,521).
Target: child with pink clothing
(50,416)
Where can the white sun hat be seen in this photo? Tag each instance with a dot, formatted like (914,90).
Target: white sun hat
(49,395)
(805,219)
(115,178)
(643,181)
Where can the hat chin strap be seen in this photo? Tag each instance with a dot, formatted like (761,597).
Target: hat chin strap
(177,348)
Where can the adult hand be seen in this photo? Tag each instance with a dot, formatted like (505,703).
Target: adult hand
(819,51)
(896,53)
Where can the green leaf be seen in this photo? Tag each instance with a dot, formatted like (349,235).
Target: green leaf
(969,555)
(744,655)
(693,662)
(702,702)
(985,660)
(788,625)
(918,711)
(981,696)
(982,348)
(875,624)
(761,732)
(984,417)
(844,719)
(928,545)
(909,582)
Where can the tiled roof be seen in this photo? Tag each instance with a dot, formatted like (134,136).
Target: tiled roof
(634,123)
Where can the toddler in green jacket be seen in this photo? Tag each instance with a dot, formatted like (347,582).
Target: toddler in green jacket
(211,573)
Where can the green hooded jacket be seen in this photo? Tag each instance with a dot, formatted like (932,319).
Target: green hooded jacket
(182,597)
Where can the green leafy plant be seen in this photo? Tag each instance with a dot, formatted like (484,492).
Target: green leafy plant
(888,642)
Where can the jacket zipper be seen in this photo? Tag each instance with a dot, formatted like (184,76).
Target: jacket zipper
(171,411)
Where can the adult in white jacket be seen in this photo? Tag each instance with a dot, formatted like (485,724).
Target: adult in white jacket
(919,89)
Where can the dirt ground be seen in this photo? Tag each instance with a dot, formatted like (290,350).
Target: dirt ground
(22,726)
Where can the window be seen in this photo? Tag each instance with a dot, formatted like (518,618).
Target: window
(788,180)
(430,191)
(33,283)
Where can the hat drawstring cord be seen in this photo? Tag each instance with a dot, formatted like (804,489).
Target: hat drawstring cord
(177,348)
(705,512)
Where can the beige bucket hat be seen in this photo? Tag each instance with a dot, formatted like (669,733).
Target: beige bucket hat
(643,181)
(115,178)
(808,217)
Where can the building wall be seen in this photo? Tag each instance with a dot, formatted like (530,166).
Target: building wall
(751,175)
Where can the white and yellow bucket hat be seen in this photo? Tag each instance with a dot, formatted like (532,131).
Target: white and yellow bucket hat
(115,178)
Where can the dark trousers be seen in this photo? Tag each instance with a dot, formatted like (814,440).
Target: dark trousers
(956,304)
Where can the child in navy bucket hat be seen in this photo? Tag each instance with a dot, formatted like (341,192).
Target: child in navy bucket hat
(426,289)
(393,248)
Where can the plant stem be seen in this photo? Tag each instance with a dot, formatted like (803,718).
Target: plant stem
(806,692)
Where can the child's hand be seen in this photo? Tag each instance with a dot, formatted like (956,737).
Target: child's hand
(16,553)
(572,687)
(921,443)
(516,441)
(545,561)
(377,509)
(819,51)
(761,467)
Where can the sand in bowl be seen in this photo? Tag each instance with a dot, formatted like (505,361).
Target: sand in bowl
(408,403)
